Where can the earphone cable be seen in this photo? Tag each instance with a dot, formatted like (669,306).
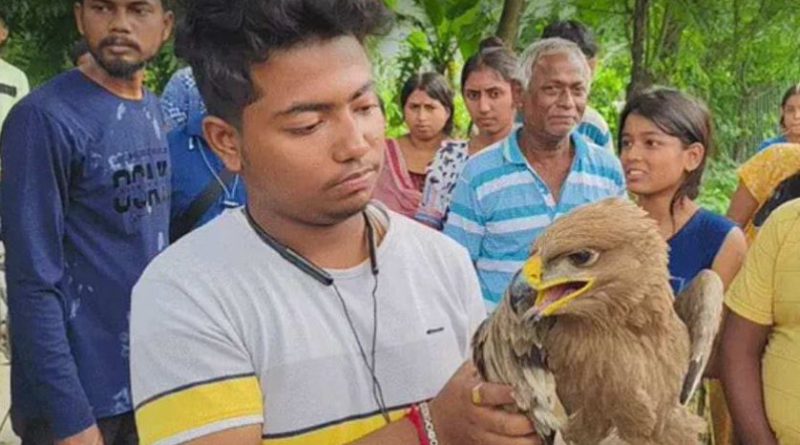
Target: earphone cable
(326,280)
(377,391)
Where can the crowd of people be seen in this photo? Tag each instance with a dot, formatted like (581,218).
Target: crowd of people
(248,259)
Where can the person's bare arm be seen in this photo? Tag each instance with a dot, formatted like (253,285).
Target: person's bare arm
(743,206)
(401,432)
(246,435)
(457,420)
(89,436)
(730,257)
(726,264)
(742,347)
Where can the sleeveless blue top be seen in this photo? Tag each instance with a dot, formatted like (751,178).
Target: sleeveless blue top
(695,246)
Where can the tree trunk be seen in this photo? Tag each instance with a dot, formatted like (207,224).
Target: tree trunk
(509,21)
(639,75)
(739,67)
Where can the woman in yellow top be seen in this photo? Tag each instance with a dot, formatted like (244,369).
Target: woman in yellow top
(760,344)
(765,181)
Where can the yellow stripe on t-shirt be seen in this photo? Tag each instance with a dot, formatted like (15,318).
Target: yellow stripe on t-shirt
(344,432)
(198,406)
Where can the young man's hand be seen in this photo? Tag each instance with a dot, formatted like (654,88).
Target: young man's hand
(89,436)
(458,420)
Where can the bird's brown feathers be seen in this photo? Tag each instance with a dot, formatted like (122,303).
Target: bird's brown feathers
(609,362)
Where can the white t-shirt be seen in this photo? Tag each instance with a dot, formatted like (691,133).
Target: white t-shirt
(226,333)
(13,86)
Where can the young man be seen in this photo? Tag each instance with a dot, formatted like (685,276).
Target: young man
(593,126)
(13,86)
(508,194)
(85,206)
(311,316)
(13,82)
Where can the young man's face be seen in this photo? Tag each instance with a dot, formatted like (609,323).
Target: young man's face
(123,35)
(312,145)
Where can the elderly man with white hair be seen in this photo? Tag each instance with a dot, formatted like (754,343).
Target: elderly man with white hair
(509,193)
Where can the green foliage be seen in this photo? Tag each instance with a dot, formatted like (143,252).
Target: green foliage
(734,54)
(440,36)
(445,29)
(385,74)
(440,33)
(161,68)
(719,183)
(42,32)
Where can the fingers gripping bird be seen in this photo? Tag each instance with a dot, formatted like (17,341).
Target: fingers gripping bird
(592,339)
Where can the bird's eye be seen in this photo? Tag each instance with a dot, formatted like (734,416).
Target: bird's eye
(582,258)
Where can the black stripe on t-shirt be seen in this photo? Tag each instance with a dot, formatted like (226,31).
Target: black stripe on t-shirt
(8,90)
(332,423)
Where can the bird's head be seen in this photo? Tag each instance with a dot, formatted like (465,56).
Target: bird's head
(596,262)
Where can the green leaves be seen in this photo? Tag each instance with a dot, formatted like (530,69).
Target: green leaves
(449,28)
(438,35)
(719,183)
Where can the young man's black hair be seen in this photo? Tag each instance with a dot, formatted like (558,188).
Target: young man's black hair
(223,39)
(576,32)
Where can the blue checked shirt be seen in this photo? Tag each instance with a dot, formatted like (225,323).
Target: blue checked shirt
(501,205)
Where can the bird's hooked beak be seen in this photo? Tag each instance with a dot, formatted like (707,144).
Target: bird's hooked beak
(548,297)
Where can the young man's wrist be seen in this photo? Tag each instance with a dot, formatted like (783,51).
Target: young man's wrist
(422,420)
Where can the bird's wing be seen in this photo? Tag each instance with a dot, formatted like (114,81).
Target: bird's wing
(506,352)
(700,308)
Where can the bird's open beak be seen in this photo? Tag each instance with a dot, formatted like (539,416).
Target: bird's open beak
(551,296)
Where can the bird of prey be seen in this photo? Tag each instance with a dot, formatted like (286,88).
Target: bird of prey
(592,339)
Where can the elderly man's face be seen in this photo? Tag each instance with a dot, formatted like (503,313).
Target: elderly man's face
(555,100)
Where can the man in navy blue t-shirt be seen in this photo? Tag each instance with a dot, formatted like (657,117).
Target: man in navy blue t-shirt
(85,207)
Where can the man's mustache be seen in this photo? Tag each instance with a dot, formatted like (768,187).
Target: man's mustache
(118,41)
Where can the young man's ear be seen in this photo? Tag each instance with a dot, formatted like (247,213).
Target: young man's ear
(169,25)
(77,9)
(224,140)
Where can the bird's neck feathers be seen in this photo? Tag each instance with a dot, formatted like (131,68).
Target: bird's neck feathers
(654,314)
(650,310)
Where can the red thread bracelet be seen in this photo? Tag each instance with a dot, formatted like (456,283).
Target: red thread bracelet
(415,417)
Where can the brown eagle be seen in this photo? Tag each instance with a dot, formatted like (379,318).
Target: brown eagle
(592,339)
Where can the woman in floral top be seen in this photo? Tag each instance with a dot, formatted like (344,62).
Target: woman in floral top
(486,86)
